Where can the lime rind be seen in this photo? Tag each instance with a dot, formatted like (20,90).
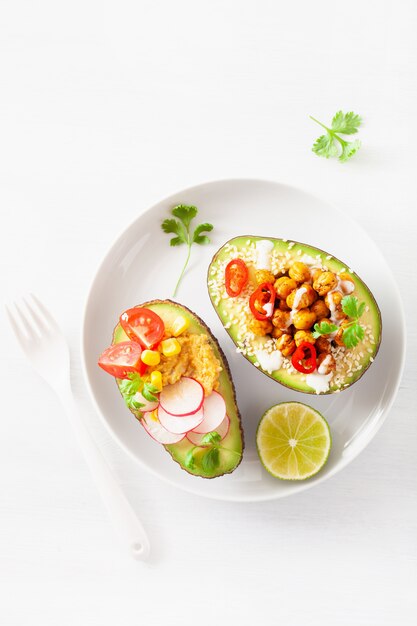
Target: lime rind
(299,422)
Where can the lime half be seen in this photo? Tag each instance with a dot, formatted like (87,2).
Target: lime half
(293,441)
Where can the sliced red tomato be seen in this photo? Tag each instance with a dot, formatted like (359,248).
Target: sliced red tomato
(142,325)
(122,358)
(236,277)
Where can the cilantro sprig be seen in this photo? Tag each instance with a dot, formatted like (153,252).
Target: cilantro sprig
(210,460)
(181,229)
(353,332)
(324,328)
(331,144)
(130,386)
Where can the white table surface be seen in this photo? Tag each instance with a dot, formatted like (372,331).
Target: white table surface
(104,109)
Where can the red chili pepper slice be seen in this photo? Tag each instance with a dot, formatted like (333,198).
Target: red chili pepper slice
(265,295)
(236,276)
(304,358)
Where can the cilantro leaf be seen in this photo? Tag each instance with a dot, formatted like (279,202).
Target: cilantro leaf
(325,146)
(210,460)
(185,213)
(332,144)
(129,387)
(324,328)
(352,335)
(189,460)
(202,228)
(181,229)
(131,384)
(346,123)
(212,437)
(350,306)
(349,148)
(148,392)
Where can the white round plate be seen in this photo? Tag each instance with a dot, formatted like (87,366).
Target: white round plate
(142,266)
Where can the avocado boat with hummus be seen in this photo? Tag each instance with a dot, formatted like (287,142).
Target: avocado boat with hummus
(174,378)
(297,313)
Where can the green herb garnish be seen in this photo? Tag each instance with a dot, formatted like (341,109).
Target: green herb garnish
(181,228)
(342,124)
(130,386)
(353,332)
(210,460)
(324,328)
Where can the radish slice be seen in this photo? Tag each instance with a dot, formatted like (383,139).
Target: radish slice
(183,397)
(222,429)
(179,424)
(147,405)
(155,429)
(214,411)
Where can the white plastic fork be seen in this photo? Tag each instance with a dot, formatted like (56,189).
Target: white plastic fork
(46,348)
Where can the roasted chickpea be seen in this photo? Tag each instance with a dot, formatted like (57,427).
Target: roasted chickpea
(264,276)
(320,309)
(284,286)
(286,344)
(281,319)
(304,319)
(316,273)
(335,297)
(334,302)
(299,272)
(322,345)
(283,306)
(260,327)
(277,333)
(303,335)
(326,363)
(325,283)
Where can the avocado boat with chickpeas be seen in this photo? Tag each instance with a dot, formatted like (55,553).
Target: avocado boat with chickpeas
(297,313)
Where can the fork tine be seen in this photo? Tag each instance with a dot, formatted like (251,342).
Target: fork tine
(45,313)
(40,322)
(21,339)
(25,323)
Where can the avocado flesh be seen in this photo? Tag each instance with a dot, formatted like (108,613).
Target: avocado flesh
(229,459)
(292,380)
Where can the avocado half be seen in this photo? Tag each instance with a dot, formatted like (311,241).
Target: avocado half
(234,312)
(231,456)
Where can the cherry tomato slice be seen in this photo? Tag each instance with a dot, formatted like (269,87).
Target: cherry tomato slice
(236,277)
(142,325)
(304,358)
(122,358)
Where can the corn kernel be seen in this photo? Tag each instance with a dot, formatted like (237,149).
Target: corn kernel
(179,325)
(156,380)
(150,357)
(154,415)
(170,347)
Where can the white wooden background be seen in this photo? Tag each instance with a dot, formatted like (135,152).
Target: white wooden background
(105,107)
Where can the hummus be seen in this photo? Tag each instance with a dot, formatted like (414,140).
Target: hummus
(196,360)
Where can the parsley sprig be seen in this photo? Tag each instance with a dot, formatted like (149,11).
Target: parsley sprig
(353,332)
(133,384)
(210,460)
(181,229)
(331,144)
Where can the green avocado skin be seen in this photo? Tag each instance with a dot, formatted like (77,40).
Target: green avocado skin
(234,441)
(372,316)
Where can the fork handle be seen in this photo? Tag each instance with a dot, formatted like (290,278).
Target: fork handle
(125,520)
